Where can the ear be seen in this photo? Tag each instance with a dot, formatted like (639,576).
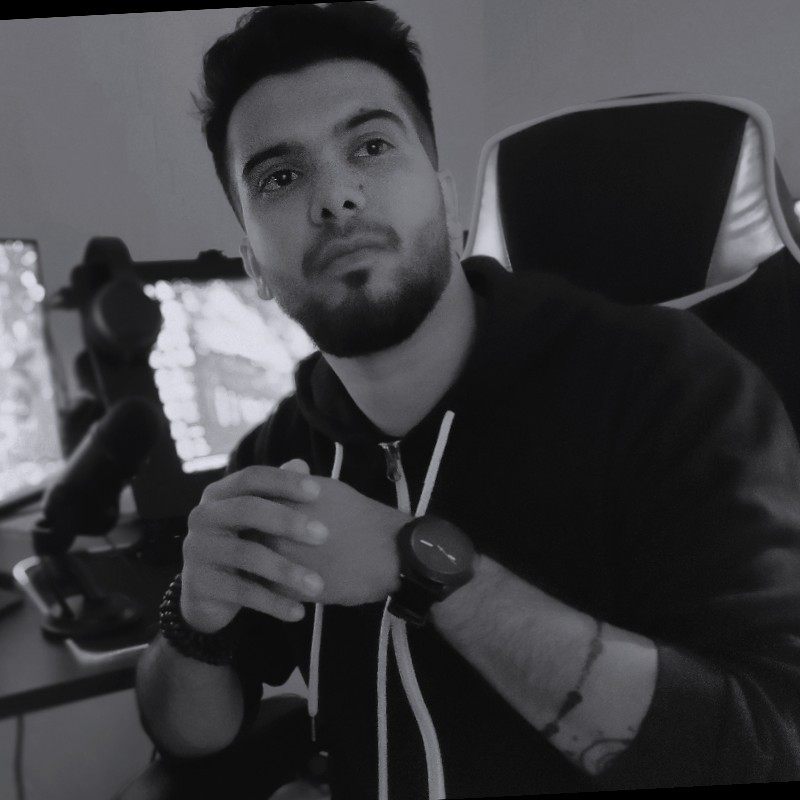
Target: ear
(252,268)
(450,195)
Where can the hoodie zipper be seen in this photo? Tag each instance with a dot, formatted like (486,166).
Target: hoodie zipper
(394,472)
(394,467)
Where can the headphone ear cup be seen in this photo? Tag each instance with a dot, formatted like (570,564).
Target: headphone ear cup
(123,321)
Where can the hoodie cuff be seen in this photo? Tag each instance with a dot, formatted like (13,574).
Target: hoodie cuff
(679,739)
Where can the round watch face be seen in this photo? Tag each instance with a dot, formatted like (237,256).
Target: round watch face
(442,548)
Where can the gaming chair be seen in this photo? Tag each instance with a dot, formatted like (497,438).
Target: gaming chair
(671,199)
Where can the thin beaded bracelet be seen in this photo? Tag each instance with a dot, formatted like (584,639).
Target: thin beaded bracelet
(575,697)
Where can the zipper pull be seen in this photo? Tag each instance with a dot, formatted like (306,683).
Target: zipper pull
(394,467)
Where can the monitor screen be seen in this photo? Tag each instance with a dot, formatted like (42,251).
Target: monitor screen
(222,361)
(30,443)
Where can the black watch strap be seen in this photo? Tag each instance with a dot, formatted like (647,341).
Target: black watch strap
(412,602)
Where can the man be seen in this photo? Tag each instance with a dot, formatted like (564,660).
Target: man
(631,617)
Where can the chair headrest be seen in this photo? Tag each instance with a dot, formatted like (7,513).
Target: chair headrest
(658,199)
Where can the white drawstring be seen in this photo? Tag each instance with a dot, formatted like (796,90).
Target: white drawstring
(433,755)
(394,629)
(316,633)
(433,466)
(383,738)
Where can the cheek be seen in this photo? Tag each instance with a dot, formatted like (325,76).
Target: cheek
(277,247)
(415,202)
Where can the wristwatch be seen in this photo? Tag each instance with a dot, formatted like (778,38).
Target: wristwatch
(436,558)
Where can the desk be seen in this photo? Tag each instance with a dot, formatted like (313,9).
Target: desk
(36,673)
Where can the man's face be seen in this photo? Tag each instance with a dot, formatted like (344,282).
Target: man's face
(346,220)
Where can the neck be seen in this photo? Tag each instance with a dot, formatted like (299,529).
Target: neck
(397,387)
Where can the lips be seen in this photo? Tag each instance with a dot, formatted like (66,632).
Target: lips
(331,251)
(342,250)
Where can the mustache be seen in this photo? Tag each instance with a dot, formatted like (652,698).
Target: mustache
(347,239)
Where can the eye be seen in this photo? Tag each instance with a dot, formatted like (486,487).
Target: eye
(373,147)
(275,181)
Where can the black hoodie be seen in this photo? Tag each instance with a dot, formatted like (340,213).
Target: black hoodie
(623,459)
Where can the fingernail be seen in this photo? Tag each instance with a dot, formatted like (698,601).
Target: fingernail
(313,583)
(310,488)
(317,531)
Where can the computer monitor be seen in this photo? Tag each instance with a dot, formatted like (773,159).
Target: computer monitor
(222,361)
(30,443)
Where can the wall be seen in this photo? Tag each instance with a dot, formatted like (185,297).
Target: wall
(543,55)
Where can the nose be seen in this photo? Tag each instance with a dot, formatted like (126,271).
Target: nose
(338,196)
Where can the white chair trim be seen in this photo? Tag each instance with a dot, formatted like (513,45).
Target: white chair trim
(758,153)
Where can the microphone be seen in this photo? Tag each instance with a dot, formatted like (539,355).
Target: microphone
(84,500)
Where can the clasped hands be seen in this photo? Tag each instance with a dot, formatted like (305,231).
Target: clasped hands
(271,538)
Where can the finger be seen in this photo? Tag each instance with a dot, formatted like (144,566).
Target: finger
(258,518)
(261,599)
(297,465)
(254,560)
(268,482)
(242,591)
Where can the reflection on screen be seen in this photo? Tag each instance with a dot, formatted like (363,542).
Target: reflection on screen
(222,361)
(30,446)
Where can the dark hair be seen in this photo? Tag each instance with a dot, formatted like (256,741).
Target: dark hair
(284,38)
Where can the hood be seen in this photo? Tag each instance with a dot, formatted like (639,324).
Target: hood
(520,316)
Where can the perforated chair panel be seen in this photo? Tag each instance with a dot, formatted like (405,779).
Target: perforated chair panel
(590,181)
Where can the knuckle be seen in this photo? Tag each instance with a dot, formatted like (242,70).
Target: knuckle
(252,477)
(214,490)
(198,518)
(188,548)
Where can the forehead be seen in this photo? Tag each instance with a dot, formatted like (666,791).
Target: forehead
(311,100)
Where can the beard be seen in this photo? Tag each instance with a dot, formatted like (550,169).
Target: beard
(363,324)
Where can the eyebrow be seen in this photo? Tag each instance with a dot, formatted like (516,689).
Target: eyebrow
(285,148)
(371,114)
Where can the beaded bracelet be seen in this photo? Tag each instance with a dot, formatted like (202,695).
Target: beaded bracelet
(216,648)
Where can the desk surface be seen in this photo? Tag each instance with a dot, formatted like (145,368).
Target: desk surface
(36,673)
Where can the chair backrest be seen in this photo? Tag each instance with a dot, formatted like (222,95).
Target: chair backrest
(670,199)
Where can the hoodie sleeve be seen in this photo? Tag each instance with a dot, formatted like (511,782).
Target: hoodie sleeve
(709,553)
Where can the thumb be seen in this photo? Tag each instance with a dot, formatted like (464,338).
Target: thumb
(297,465)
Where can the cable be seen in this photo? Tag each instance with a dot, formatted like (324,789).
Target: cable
(19,776)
